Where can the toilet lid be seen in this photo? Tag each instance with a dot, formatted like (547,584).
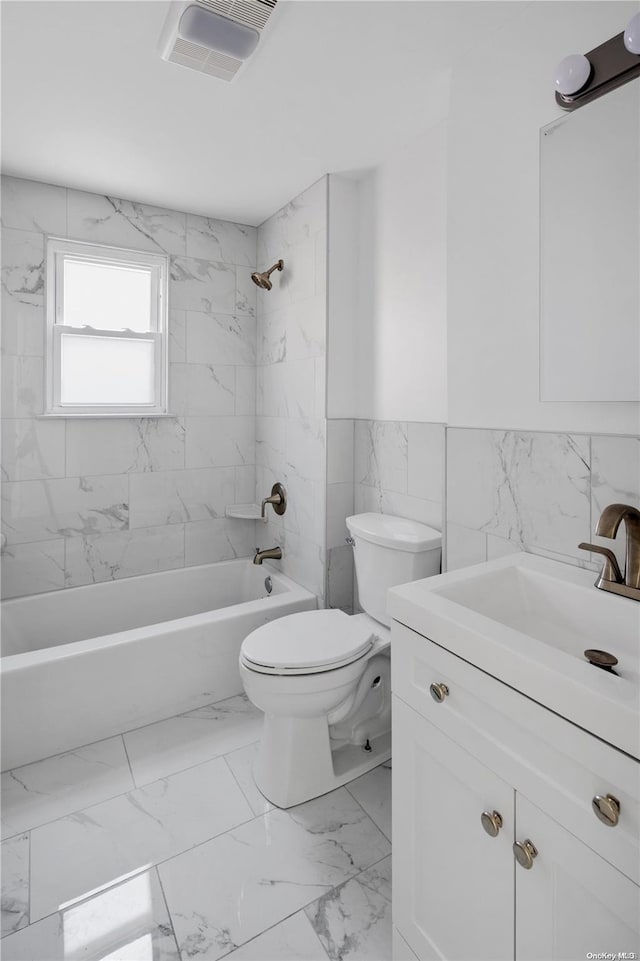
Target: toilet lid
(307,643)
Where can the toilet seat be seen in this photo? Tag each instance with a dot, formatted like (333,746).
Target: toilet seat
(306,643)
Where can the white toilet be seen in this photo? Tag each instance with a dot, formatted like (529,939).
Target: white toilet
(322,678)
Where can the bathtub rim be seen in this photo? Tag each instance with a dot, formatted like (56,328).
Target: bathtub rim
(26,659)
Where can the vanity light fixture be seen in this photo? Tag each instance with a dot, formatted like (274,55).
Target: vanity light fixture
(579,78)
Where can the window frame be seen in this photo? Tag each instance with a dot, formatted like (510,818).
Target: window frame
(60,249)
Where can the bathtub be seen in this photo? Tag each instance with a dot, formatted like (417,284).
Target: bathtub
(91,662)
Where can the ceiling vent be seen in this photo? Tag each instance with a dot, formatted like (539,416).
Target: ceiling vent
(214,37)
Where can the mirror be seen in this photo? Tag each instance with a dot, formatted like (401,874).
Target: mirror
(590,252)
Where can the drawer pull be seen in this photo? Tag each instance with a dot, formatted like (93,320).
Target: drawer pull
(607,809)
(491,822)
(439,692)
(525,852)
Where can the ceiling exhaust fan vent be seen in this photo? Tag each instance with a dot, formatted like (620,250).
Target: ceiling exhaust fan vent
(251,16)
(252,13)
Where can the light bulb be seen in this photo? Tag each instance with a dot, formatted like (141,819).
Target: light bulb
(571,74)
(632,35)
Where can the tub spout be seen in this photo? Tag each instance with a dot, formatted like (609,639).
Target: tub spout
(274,553)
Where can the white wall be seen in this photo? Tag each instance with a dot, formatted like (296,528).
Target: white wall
(400,362)
(342,294)
(493,220)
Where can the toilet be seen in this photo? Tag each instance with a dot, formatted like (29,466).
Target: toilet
(322,677)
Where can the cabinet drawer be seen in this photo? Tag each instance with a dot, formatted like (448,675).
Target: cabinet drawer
(560,767)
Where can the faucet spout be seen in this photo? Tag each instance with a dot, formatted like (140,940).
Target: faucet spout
(273,553)
(610,520)
(611,578)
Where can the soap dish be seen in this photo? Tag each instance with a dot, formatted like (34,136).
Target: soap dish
(245,512)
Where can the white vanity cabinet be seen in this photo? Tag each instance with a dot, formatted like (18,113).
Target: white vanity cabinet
(459,892)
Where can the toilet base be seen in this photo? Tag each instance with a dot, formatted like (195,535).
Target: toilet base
(295,762)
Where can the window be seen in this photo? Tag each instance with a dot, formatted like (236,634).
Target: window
(106,330)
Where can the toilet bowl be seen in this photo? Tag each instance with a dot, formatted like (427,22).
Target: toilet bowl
(322,678)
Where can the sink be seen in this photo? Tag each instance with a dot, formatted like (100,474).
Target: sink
(549,604)
(527,621)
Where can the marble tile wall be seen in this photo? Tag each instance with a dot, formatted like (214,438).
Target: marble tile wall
(535,491)
(91,499)
(399,469)
(291,384)
(389,467)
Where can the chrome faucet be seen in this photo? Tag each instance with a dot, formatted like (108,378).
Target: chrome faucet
(611,577)
(274,553)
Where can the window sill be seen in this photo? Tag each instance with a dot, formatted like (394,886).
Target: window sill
(136,415)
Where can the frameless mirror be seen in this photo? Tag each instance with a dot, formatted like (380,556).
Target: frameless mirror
(590,252)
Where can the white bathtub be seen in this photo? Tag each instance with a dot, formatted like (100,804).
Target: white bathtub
(90,662)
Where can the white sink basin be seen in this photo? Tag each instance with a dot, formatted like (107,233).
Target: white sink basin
(527,620)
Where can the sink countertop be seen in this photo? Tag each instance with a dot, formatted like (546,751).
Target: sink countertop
(526,620)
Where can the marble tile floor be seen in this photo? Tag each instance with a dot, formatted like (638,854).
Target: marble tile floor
(157,846)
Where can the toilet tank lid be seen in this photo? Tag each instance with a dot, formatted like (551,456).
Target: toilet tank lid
(395,532)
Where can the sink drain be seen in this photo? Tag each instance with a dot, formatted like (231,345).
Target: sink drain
(601,659)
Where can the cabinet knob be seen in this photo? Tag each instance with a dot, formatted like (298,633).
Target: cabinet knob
(525,852)
(439,692)
(607,809)
(491,822)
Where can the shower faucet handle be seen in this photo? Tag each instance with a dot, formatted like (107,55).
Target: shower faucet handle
(277,499)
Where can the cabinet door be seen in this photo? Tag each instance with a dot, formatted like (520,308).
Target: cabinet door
(571,903)
(453,884)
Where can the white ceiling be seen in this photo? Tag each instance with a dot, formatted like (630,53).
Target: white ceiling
(335,85)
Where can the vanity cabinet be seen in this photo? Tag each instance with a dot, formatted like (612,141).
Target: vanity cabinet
(479,747)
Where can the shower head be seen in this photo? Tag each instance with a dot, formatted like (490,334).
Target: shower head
(262,280)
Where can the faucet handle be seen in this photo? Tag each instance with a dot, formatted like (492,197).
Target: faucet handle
(278,500)
(611,570)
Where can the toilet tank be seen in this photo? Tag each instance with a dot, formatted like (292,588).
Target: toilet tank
(388,551)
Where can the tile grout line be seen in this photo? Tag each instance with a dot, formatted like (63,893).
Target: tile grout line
(126,754)
(302,909)
(169,915)
(342,885)
(29,884)
(153,866)
(132,730)
(361,806)
(233,775)
(136,787)
(157,864)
